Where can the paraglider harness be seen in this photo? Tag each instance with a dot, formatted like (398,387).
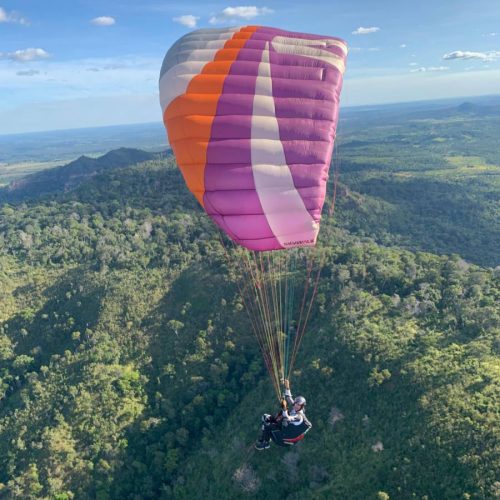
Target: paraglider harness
(284,433)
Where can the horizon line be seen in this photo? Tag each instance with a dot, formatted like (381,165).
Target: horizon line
(346,107)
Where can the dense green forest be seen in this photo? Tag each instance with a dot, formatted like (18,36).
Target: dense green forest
(127,364)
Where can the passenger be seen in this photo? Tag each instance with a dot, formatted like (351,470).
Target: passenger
(276,426)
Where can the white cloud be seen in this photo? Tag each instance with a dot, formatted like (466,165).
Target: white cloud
(231,14)
(413,64)
(25,55)
(28,72)
(107,67)
(80,78)
(187,20)
(103,21)
(402,46)
(12,17)
(363,49)
(467,54)
(429,68)
(365,31)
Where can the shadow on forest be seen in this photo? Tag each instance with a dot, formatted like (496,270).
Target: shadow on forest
(190,309)
(71,305)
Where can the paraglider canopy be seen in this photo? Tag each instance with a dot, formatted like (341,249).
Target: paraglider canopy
(251,115)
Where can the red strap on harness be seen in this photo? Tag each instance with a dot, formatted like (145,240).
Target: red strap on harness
(294,440)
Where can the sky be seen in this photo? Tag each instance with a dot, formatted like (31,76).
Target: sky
(84,63)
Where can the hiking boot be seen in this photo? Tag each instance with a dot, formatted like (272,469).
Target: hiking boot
(262,445)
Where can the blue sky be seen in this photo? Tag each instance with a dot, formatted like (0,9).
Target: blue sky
(72,64)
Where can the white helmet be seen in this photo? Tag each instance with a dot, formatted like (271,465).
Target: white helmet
(300,400)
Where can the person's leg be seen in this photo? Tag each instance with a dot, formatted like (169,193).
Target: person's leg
(267,429)
(268,424)
(266,433)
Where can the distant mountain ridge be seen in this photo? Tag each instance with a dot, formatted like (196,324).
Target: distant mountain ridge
(353,118)
(70,176)
(466,107)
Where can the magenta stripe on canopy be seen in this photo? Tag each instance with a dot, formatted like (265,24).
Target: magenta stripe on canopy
(305,92)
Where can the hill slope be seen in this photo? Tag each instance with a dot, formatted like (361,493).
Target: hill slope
(426,182)
(127,364)
(128,370)
(68,177)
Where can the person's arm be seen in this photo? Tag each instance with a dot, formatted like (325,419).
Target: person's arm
(288,394)
(296,419)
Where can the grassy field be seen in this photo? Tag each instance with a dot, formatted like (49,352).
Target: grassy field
(12,171)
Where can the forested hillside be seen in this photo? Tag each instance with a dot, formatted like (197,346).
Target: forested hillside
(128,368)
(424,180)
(70,176)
